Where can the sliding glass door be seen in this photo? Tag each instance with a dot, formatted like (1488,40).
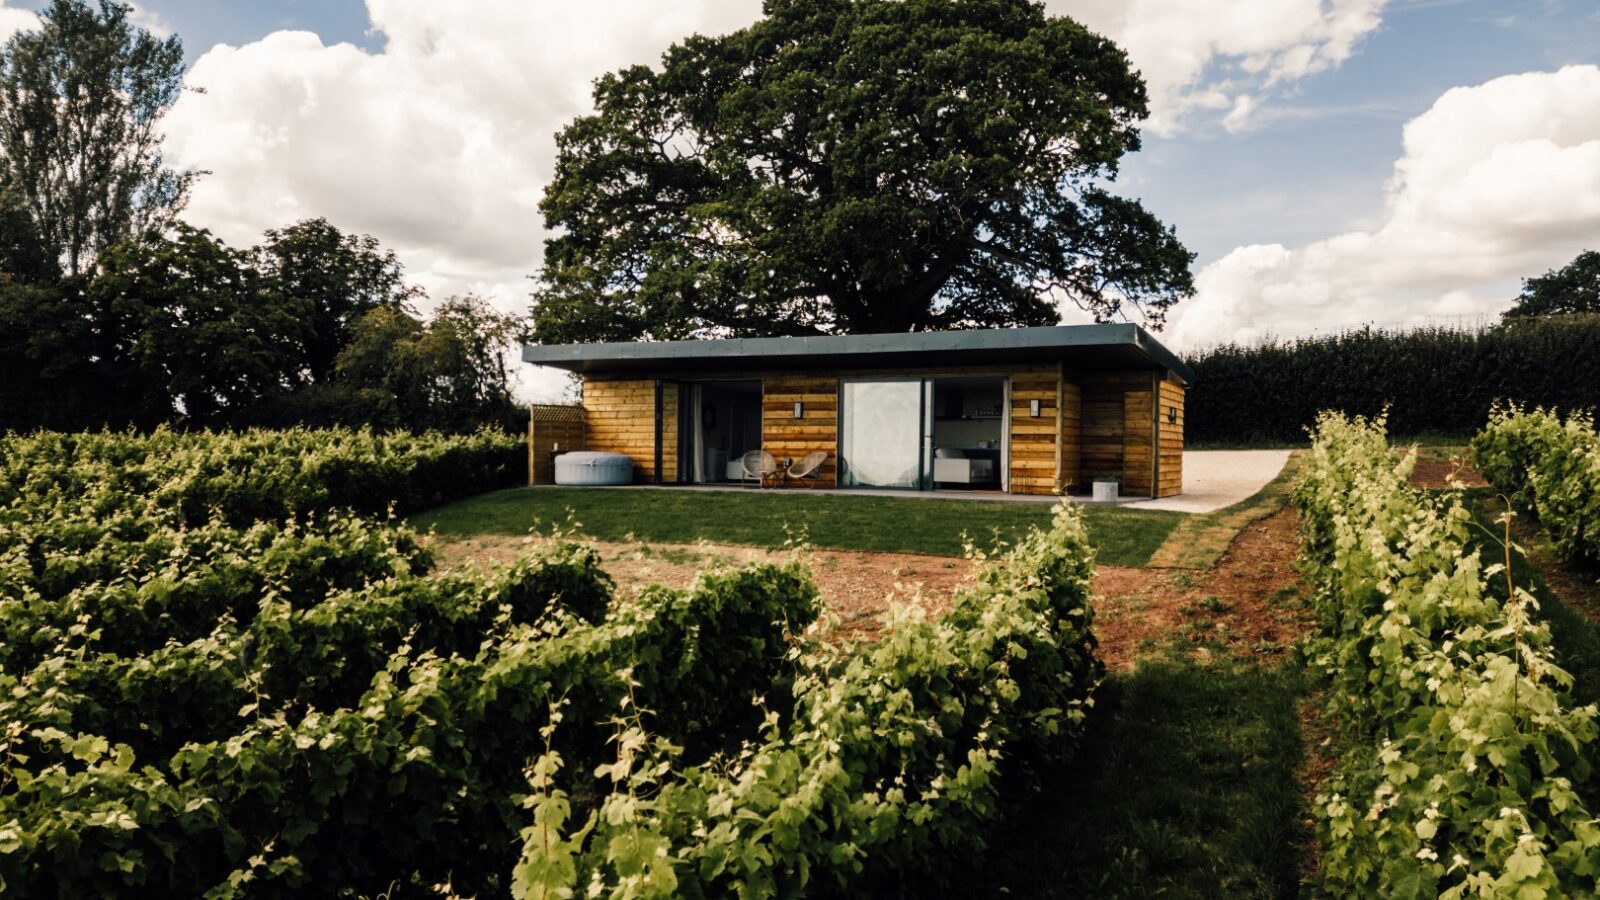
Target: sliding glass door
(886,433)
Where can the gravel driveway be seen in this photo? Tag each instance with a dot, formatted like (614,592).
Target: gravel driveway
(1213,479)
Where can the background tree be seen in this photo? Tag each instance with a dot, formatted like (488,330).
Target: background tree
(450,373)
(856,166)
(1573,288)
(207,336)
(81,103)
(340,276)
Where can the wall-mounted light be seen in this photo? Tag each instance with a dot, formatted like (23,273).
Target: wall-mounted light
(799,410)
(1172,414)
(1033,408)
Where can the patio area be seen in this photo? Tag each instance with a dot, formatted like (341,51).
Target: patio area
(1212,480)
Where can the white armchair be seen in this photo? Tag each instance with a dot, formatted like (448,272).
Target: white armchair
(951,466)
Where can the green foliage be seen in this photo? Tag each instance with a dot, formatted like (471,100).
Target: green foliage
(338,277)
(81,103)
(1573,288)
(888,763)
(1431,380)
(309,329)
(194,703)
(1468,752)
(856,166)
(1548,466)
(207,336)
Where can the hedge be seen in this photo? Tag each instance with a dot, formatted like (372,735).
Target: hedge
(1431,380)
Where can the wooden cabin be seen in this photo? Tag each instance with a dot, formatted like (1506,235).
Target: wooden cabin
(1016,410)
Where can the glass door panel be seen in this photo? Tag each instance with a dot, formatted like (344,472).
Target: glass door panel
(885,433)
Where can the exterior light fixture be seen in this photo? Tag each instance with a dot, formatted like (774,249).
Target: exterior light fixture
(1033,408)
(799,410)
(1172,414)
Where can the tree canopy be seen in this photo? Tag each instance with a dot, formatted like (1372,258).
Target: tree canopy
(856,166)
(81,102)
(1573,288)
(340,276)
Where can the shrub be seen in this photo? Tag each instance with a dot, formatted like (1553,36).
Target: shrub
(1466,750)
(1548,466)
(891,759)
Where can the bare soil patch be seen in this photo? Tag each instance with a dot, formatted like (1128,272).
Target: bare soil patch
(1433,472)
(1248,603)
(856,587)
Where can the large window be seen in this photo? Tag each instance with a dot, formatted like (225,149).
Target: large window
(886,436)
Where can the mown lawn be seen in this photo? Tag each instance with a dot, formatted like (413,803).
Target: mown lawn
(1184,787)
(1122,536)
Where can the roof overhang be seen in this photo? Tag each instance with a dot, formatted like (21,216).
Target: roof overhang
(1082,347)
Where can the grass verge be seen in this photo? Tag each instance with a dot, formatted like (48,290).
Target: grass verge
(1122,537)
(1185,787)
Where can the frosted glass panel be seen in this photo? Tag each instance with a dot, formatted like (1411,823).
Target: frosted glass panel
(882,442)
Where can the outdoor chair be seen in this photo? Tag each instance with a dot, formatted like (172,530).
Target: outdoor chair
(759,465)
(808,469)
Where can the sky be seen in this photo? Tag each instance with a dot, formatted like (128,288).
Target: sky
(1332,163)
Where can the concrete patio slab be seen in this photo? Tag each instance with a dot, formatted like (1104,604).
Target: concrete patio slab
(1213,479)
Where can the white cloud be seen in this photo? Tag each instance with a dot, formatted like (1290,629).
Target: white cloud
(15,20)
(441,144)
(1497,182)
(1222,55)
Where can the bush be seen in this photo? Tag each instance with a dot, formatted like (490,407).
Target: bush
(1465,748)
(890,761)
(1431,380)
(1548,466)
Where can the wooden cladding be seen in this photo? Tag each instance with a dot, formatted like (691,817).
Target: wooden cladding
(1138,438)
(1090,425)
(1105,440)
(1169,431)
(620,417)
(551,428)
(816,430)
(1035,456)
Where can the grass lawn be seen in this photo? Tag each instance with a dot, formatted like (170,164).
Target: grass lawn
(1123,537)
(1184,787)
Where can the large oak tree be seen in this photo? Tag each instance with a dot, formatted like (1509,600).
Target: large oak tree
(856,166)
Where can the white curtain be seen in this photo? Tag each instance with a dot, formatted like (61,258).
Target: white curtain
(697,462)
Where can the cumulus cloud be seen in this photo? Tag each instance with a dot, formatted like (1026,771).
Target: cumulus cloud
(14,20)
(1221,56)
(441,144)
(1496,182)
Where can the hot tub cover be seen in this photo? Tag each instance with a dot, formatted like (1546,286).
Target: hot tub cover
(586,467)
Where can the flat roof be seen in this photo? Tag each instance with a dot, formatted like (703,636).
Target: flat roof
(1088,347)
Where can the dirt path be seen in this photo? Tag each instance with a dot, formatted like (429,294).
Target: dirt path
(1249,602)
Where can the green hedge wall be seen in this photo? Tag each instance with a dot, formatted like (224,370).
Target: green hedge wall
(1432,380)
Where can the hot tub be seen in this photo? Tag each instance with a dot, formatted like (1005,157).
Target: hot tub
(590,467)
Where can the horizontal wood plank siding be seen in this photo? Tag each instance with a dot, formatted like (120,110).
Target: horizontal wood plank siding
(620,417)
(1035,462)
(1138,436)
(1171,436)
(1071,434)
(816,430)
